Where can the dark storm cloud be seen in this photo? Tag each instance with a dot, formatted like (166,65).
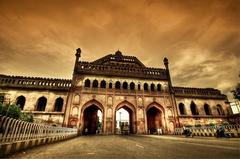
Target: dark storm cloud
(200,38)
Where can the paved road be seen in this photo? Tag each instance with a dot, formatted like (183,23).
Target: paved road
(136,147)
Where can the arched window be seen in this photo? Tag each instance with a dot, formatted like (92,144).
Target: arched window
(125,85)
(220,110)
(181,107)
(103,84)
(145,87)
(152,87)
(132,86)
(87,83)
(110,85)
(117,85)
(21,101)
(139,87)
(58,105)
(207,109)
(193,108)
(95,84)
(41,104)
(159,87)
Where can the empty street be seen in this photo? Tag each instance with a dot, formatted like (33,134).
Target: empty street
(139,147)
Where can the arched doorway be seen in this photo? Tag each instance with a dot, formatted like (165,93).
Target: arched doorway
(92,120)
(125,118)
(154,120)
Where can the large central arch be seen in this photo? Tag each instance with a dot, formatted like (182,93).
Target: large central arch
(130,108)
(155,116)
(89,118)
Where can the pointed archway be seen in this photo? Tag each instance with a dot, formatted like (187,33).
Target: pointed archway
(128,125)
(155,119)
(92,118)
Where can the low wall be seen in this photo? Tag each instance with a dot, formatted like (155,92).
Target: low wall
(232,130)
(12,147)
(16,135)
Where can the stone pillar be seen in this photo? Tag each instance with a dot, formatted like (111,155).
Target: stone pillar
(67,109)
(140,121)
(109,121)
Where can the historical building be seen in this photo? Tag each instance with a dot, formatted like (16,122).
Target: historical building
(108,84)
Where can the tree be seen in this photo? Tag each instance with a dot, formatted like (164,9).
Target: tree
(1,97)
(14,111)
(236,91)
(26,117)
(10,110)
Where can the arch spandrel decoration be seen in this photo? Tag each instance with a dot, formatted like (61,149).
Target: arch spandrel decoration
(110,101)
(157,105)
(74,111)
(140,102)
(93,102)
(169,112)
(126,103)
(167,101)
(76,99)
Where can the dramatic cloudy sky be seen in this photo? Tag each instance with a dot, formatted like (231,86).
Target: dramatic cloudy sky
(201,38)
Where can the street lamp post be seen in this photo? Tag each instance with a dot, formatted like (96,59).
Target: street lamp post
(120,121)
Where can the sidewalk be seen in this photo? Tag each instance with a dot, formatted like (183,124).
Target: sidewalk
(179,137)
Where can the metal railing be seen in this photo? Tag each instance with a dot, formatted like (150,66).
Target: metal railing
(211,130)
(16,130)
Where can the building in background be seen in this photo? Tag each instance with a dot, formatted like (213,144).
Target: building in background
(98,89)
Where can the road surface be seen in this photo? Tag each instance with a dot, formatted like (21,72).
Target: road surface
(136,147)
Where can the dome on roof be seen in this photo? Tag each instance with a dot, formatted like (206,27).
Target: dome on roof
(118,53)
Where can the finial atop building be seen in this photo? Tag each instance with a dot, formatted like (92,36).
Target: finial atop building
(118,53)
(165,61)
(78,54)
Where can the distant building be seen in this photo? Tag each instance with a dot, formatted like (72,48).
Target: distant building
(112,82)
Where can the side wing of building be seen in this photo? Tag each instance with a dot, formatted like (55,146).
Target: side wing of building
(44,97)
(201,106)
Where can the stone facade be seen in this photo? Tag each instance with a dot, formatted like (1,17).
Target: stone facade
(112,82)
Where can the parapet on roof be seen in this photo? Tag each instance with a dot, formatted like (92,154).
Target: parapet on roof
(120,66)
(118,58)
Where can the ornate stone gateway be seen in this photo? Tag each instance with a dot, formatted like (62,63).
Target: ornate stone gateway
(98,89)
(114,82)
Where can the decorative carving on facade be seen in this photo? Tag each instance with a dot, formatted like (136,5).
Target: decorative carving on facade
(75,111)
(76,99)
(140,102)
(110,101)
(167,101)
(109,113)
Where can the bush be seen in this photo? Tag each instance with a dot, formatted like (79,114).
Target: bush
(12,111)
(225,123)
(211,124)
(198,125)
(188,126)
(28,117)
